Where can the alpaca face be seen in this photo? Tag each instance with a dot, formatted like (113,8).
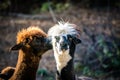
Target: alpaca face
(63,42)
(61,46)
(61,51)
(34,44)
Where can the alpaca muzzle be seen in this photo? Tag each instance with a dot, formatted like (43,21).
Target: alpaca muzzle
(64,46)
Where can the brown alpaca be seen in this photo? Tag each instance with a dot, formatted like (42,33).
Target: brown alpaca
(31,43)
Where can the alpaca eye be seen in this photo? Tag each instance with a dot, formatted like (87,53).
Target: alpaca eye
(57,38)
(39,39)
(27,40)
(70,37)
(34,37)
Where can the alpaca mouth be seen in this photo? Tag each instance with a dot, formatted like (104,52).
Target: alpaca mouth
(63,48)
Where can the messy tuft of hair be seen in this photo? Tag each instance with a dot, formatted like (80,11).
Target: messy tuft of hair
(32,30)
(64,28)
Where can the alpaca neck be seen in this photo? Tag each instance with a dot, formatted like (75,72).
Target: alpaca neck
(67,71)
(26,67)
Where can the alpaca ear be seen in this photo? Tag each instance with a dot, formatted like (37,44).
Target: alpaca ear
(17,46)
(74,39)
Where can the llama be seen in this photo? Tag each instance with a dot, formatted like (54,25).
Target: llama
(65,36)
(31,43)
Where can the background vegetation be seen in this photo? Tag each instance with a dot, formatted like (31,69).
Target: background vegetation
(27,6)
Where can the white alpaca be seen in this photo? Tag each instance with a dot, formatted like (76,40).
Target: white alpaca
(65,36)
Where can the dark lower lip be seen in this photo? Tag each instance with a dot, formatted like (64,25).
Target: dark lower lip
(63,49)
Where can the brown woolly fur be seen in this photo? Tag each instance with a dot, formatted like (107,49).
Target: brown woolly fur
(32,43)
(7,72)
(32,30)
(7,69)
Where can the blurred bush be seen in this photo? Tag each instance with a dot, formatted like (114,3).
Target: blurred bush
(58,7)
(4,4)
(22,6)
(102,59)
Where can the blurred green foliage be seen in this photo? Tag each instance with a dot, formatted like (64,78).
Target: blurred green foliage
(45,74)
(110,52)
(42,72)
(23,6)
(105,61)
(4,4)
(58,7)
(45,6)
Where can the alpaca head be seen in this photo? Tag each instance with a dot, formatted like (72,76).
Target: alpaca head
(32,39)
(64,35)
(64,38)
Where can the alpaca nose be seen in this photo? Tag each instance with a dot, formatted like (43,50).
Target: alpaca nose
(63,46)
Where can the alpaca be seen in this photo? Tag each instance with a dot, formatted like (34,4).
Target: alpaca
(65,36)
(31,43)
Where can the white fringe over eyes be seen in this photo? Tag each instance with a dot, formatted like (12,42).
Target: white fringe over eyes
(63,28)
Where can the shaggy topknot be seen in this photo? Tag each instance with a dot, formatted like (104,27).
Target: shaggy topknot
(64,28)
(32,30)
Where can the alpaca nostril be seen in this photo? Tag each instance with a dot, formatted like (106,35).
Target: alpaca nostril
(63,46)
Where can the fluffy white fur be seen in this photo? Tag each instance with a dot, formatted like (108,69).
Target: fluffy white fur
(64,28)
(61,57)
